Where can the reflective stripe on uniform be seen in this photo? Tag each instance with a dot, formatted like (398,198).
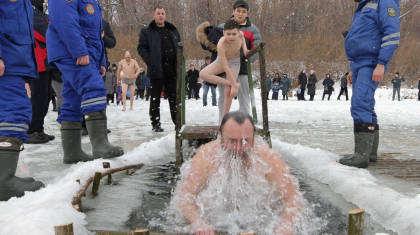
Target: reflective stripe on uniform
(395,42)
(391,36)
(94,101)
(371,5)
(5,126)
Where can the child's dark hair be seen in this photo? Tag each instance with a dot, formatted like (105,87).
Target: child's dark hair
(231,24)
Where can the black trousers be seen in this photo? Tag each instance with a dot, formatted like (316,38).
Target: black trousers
(191,87)
(156,90)
(302,93)
(343,89)
(41,93)
(140,92)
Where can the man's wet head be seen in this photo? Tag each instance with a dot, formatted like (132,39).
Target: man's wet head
(159,15)
(237,132)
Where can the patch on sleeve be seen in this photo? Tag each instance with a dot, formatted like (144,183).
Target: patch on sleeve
(90,8)
(392,12)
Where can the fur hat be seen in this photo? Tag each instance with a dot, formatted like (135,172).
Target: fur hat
(201,32)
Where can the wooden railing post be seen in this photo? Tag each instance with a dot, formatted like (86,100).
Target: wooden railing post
(251,90)
(264,97)
(180,102)
(66,229)
(356,222)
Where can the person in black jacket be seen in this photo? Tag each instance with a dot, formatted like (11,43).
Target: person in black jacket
(192,77)
(158,46)
(41,89)
(418,98)
(303,80)
(109,40)
(344,86)
(312,80)
(328,86)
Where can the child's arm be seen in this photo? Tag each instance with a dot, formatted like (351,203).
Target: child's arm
(244,47)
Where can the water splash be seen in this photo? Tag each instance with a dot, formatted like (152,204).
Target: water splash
(237,198)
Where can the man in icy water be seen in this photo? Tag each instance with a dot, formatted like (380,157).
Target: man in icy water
(237,183)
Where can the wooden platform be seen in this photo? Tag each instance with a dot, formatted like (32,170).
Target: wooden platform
(397,165)
(207,132)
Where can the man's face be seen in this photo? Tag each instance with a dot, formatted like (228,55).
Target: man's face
(141,70)
(396,75)
(114,68)
(160,16)
(207,62)
(231,35)
(237,138)
(240,14)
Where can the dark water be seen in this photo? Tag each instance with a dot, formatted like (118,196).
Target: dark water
(162,182)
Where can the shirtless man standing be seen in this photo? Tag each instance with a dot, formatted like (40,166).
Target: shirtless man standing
(227,61)
(128,66)
(237,141)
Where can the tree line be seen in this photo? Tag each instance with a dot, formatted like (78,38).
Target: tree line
(299,34)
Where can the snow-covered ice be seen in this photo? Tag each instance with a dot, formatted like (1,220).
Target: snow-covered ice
(309,135)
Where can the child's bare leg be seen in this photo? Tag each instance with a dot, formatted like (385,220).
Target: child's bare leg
(227,102)
(208,74)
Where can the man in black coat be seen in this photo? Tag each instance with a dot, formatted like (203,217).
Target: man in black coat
(303,80)
(192,78)
(158,45)
(344,86)
(109,40)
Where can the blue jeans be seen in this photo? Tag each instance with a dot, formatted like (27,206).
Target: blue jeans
(213,94)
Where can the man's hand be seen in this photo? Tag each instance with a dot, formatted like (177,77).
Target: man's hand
(378,73)
(103,69)
(349,79)
(2,67)
(28,90)
(103,34)
(82,60)
(134,77)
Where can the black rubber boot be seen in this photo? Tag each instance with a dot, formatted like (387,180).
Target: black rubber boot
(71,140)
(96,124)
(10,185)
(363,140)
(374,153)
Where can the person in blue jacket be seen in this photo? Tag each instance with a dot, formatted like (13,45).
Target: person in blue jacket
(17,64)
(75,45)
(370,44)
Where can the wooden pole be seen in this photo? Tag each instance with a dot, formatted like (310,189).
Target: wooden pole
(82,191)
(107,165)
(141,232)
(180,102)
(264,94)
(96,182)
(65,229)
(251,91)
(356,222)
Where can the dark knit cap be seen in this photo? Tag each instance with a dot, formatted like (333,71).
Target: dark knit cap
(240,3)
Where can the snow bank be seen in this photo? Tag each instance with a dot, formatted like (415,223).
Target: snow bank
(390,208)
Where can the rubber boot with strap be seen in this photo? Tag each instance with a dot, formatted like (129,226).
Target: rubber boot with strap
(363,140)
(71,140)
(11,185)
(96,124)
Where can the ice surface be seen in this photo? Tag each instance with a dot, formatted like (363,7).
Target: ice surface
(310,136)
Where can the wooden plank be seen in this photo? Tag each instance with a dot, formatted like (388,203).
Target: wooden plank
(65,229)
(356,222)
